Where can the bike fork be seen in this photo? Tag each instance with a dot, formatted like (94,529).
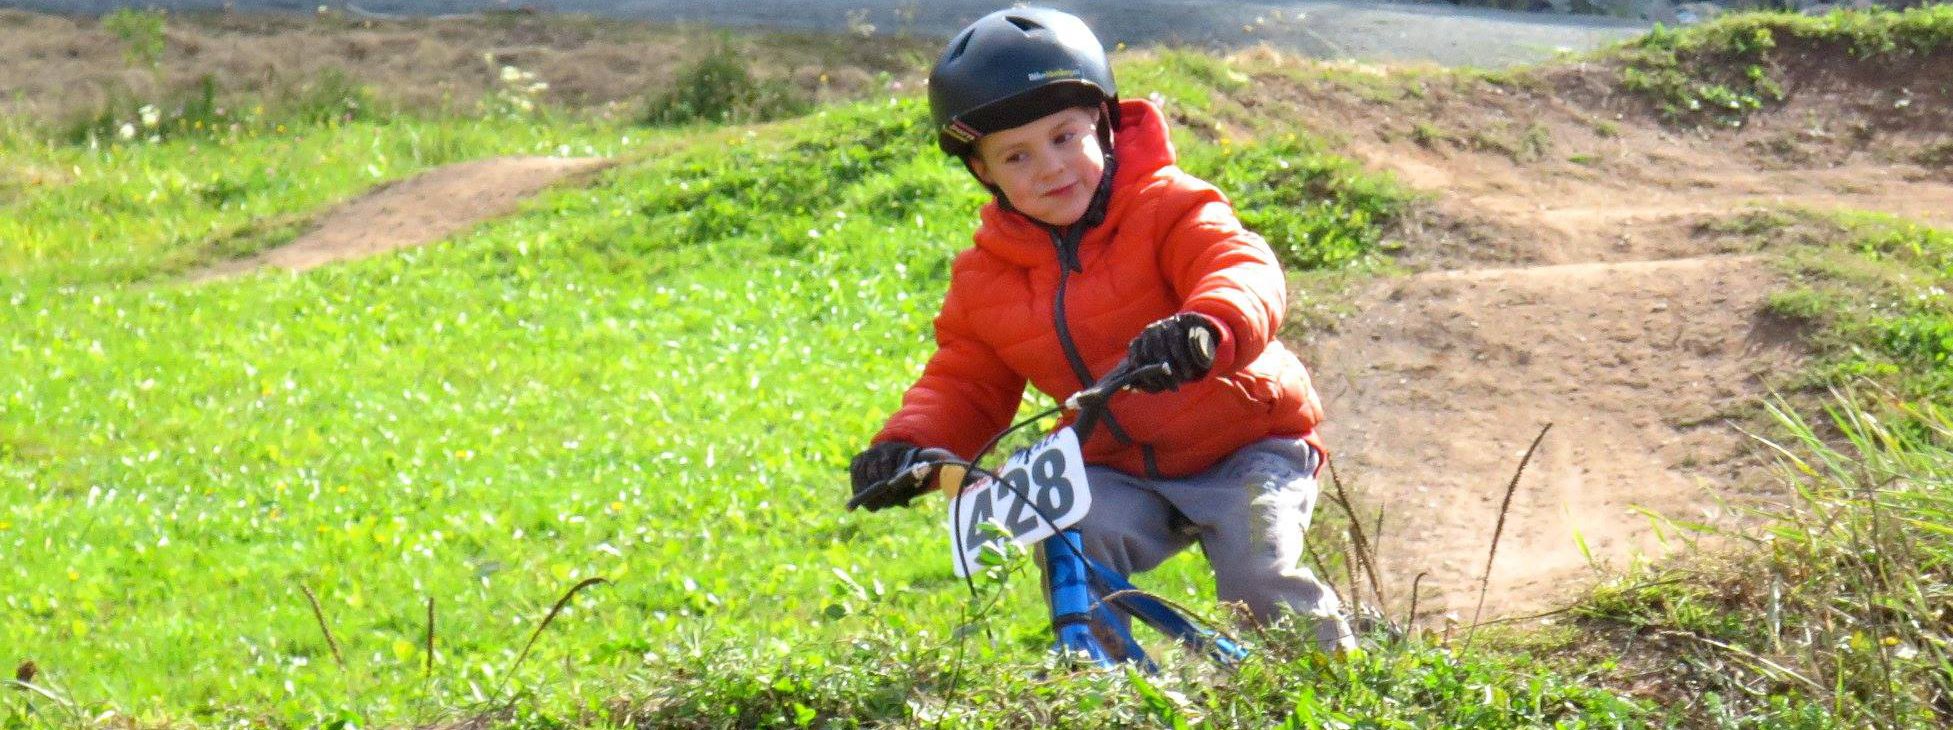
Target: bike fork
(1074,611)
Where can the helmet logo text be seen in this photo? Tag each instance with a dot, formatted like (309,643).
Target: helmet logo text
(1060,73)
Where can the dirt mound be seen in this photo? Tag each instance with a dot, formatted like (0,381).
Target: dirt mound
(1575,270)
(421,209)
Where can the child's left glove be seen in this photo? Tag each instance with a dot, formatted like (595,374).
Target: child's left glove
(875,465)
(1184,341)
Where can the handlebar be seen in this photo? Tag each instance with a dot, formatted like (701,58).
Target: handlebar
(1125,374)
(919,463)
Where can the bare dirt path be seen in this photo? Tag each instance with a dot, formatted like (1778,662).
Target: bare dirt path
(1437,387)
(1570,270)
(427,207)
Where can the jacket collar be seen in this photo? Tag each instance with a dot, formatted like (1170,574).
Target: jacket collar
(1142,148)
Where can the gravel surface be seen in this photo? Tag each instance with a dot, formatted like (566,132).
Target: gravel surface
(1367,31)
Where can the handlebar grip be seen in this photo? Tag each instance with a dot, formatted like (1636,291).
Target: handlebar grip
(1202,340)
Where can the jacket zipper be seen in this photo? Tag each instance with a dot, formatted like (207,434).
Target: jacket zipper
(1078,367)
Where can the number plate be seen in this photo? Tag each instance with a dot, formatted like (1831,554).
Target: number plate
(1051,473)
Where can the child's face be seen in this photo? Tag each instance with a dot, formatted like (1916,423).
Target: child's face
(1048,168)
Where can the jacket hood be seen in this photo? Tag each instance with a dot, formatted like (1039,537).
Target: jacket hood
(1142,149)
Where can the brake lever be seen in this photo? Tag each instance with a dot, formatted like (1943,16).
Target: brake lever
(1088,403)
(1119,379)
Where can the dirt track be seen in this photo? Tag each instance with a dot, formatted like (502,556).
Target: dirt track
(1585,284)
(415,211)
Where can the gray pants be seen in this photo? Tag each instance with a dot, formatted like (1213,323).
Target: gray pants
(1249,513)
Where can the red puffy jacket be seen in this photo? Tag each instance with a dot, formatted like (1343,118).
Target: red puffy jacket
(1170,243)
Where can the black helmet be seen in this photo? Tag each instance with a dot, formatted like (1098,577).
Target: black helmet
(1012,67)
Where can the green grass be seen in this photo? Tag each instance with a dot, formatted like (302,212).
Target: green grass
(1834,612)
(1873,289)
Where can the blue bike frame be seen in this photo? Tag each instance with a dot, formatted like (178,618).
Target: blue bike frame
(1084,592)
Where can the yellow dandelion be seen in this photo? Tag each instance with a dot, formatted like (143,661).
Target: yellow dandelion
(616,506)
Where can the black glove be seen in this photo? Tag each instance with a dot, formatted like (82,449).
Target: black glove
(878,464)
(1183,341)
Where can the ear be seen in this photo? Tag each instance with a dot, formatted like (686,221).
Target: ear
(980,170)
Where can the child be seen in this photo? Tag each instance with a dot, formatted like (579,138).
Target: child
(1098,248)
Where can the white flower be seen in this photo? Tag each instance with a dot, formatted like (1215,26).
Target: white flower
(128,131)
(150,116)
(511,74)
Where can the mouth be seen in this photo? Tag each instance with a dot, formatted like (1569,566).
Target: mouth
(1061,192)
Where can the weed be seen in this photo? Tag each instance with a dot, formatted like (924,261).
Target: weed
(327,98)
(719,89)
(1536,143)
(1428,135)
(1938,154)
(141,33)
(1754,222)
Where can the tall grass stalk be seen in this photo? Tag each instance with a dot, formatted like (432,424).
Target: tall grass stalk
(547,618)
(324,628)
(1498,530)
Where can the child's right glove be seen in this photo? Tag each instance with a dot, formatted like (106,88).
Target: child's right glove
(1184,341)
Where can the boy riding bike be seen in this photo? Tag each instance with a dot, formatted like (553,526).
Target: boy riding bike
(1097,249)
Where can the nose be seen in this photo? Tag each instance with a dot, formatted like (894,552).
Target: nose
(1050,165)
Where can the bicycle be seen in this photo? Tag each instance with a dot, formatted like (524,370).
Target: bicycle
(1037,495)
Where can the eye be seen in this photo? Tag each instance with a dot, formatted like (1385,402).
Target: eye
(1064,138)
(1014,158)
